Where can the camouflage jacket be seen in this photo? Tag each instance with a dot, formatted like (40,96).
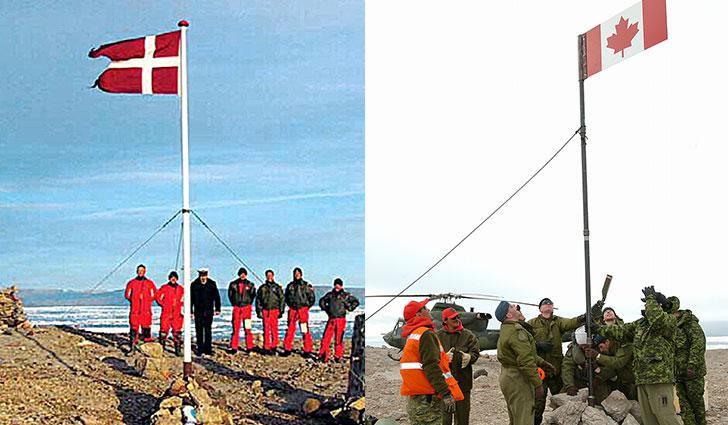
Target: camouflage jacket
(551,330)
(653,337)
(689,346)
(464,341)
(517,348)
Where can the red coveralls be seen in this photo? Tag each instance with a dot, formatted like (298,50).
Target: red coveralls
(298,315)
(140,294)
(335,325)
(171,299)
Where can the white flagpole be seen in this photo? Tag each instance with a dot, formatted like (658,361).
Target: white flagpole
(187,272)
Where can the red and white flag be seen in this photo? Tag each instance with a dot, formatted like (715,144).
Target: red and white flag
(626,34)
(145,65)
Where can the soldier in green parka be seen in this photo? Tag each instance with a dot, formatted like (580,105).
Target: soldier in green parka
(575,373)
(547,330)
(614,365)
(519,380)
(689,364)
(463,350)
(653,337)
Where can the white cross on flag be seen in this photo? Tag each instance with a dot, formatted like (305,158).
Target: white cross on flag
(626,34)
(146,65)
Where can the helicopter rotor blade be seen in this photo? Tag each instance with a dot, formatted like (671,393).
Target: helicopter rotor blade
(482,295)
(400,296)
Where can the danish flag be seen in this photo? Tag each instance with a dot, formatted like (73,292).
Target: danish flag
(145,65)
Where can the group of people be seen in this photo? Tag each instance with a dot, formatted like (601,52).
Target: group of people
(647,360)
(270,301)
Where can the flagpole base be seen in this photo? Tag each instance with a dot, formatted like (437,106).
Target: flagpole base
(187,369)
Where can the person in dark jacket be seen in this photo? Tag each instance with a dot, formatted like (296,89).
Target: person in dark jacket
(299,298)
(241,293)
(336,303)
(205,305)
(463,350)
(269,305)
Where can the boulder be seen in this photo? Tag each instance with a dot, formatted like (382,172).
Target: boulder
(630,420)
(152,368)
(209,415)
(178,387)
(617,406)
(171,403)
(559,400)
(200,397)
(311,405)
(594,416)
(636,411)
(152,349)
(568,414)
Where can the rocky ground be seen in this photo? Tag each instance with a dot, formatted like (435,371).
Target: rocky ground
(69,376)
(488,406)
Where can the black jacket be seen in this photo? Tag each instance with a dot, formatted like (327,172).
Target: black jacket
(299,293)
(205,298)
(336,304)
(238,299)
(269,297)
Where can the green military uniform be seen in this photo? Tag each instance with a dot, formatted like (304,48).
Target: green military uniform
(690,354)
(574,373)
(519,376)
(427,409)
(616,369)
(465,341)
(550,331)
(653,337)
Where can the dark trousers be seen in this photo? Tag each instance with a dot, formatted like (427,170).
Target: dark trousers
(553,384)
(203,331)
(462,412)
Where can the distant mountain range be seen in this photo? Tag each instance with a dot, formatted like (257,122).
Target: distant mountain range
(63,297)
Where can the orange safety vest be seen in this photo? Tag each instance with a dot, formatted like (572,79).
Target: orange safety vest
(414,381)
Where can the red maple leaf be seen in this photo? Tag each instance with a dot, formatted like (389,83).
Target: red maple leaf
(622,39)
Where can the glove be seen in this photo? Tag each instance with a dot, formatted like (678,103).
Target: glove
(596,309)
(647,291)
(591,353)
(465,361)
(662,299)
(690,373)
(548,367)
(449,354)
(544,346)
(448,404)
(571,390)
(540,393)
(581,318)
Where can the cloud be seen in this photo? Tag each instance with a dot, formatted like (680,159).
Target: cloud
(34,206)
(141,211)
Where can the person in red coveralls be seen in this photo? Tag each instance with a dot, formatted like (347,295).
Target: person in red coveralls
(171,298)
(140,292)
(336,304)
(241,293)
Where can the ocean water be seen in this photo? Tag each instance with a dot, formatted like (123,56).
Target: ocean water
(115,319)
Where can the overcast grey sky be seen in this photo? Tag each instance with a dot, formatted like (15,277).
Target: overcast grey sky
(465,101)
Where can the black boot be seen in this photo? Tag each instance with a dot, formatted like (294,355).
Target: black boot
(132,341)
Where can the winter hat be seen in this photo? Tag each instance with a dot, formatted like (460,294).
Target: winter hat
(173,274)
(338,281)
(502,310)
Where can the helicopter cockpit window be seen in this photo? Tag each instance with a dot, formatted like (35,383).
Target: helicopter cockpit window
(399,325)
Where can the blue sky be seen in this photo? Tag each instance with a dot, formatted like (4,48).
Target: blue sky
(276,101)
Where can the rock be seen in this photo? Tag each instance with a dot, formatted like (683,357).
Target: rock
(480,372)
(178,387)
(85,420)
(569,413)
(84,343)
(152,349)
(200,397)
(171,403)
(257,385)
(209,415)
(559,400)
(636,411)
(311,405)
(594,416)
(152,368)
(630,420)
(617,406)
(270,393)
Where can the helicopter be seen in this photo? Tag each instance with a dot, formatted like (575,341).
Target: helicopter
(476,322)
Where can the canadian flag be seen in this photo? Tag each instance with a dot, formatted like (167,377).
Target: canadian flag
(626,34)
(146,65)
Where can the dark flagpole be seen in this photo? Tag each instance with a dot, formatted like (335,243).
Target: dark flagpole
(587,268)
